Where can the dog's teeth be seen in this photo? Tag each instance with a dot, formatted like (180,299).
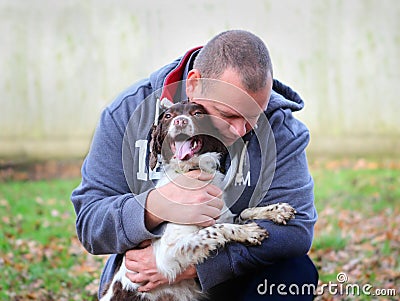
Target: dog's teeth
(194,145)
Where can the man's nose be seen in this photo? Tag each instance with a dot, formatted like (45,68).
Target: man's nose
(181,121)
(239,128)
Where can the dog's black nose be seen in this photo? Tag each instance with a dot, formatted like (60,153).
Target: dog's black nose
(180,121)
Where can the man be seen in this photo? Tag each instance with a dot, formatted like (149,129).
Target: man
(119,210)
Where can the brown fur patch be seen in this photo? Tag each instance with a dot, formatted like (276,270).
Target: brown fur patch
(119,294)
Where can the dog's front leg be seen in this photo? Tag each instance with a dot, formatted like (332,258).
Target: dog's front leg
(193,248)
(279,213)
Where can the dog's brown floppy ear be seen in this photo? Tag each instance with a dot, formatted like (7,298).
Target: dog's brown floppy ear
(155,148)
(155,144)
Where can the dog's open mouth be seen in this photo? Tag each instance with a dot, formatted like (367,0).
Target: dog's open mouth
(185,147)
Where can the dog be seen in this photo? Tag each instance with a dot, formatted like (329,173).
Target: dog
(185,140)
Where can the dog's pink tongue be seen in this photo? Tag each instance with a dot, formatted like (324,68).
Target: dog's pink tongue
(183,149)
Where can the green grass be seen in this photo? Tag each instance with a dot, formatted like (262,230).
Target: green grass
(37,210)
(40,257)
(331,241)
(364,190)
(37,242)
(357,231)
(367,192)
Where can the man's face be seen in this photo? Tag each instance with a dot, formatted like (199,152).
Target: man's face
(234,111)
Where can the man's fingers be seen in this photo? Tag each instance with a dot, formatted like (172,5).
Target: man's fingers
(135,266)
(140,277)
(207,222)
(214,191)
(149,282)
(208,217)
(134,277)
(150,286)
(200,175)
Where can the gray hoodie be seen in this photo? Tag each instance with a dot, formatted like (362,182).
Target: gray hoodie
(267,166)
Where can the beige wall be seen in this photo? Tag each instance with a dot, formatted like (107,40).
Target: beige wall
(61,62)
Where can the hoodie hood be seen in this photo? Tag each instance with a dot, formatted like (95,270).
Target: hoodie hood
(168,80)
(283,97)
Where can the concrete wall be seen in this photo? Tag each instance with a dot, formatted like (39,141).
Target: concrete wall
(61,62)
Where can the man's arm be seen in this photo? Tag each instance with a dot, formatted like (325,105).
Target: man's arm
(293,184)
(110,219)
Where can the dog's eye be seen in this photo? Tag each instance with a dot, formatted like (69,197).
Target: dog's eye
(198,114)
(167,116)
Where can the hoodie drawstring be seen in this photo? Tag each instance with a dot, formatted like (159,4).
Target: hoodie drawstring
(239,174)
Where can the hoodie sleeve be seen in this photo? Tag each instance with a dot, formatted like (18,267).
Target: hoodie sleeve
(110,219)
(293,184)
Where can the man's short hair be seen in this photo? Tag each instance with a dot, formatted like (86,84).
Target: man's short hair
(238,49)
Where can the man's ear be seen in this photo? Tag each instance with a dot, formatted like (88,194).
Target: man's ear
(192,82)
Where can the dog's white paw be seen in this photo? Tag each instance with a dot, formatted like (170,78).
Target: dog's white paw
(254,233)
(279,213)
(283,212)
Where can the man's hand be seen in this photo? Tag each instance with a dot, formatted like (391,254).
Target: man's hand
(188,199)
(142,262)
